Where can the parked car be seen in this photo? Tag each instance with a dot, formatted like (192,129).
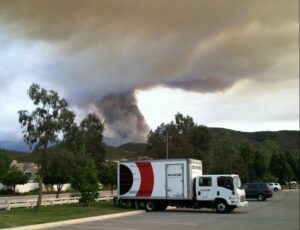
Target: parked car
(292,184)
(275,186)
(260,191)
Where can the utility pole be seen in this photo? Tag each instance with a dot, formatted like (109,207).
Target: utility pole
(167,144)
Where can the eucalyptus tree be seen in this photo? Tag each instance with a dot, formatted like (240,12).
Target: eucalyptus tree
(182,138)
(42,127)
(88,135)
(91,129)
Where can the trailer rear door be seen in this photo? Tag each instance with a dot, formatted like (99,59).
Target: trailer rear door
(174,181)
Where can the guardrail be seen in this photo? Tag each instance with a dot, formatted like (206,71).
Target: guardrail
(30,203)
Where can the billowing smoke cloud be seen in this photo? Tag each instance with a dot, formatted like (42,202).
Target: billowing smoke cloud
(99,52)
(123,117)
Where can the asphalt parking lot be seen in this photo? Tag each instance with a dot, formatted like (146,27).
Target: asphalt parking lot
(279,212)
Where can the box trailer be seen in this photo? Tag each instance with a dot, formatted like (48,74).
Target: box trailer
(157,179)
(156,184)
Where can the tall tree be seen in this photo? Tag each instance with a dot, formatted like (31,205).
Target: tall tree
(92,134)
(59,168)
(42,126)
(88,135)
(183,124)
(157,142)
(183,138)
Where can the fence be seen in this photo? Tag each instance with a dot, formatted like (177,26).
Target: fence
(30,203)
(33,185)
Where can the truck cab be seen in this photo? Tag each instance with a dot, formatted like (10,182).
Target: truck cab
(221,192)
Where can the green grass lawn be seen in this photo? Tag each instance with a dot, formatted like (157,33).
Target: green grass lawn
(23,216)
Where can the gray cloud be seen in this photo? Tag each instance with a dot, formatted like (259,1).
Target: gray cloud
(104,50)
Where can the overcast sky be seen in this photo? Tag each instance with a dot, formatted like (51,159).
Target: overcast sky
(226,63)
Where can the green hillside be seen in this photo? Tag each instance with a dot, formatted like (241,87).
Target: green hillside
(138,148)
(284,140)
(22,156)
(112,153)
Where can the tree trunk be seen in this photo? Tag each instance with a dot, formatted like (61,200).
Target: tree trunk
(59,187)
(112,189)
(43,165)
(39,201)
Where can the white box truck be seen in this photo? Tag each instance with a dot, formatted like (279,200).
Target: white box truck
(156,184)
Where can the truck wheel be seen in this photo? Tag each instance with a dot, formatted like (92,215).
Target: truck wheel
(261,197)
(162,206)
(150,206)
(231,208)
(221,206)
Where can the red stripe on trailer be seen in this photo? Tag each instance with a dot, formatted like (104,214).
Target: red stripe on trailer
(147,179)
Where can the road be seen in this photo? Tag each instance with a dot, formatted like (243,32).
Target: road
(3,199)
(280,212)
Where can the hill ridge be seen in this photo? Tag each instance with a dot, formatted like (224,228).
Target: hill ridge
(287,140)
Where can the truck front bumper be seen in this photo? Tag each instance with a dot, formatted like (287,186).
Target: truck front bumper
(242,204)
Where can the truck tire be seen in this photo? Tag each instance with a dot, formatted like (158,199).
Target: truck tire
(221,206)
(261,197)
(231,208)
(162,206)
(150,206)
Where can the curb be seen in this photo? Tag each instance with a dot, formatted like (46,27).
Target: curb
(75,221)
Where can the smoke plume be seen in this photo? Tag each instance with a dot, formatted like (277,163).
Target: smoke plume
(123,117)
(100,51)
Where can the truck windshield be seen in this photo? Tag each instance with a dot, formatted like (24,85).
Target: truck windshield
(237,182)
(226,182)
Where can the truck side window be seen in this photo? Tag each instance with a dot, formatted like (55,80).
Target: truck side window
(205,181)
(225,182)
